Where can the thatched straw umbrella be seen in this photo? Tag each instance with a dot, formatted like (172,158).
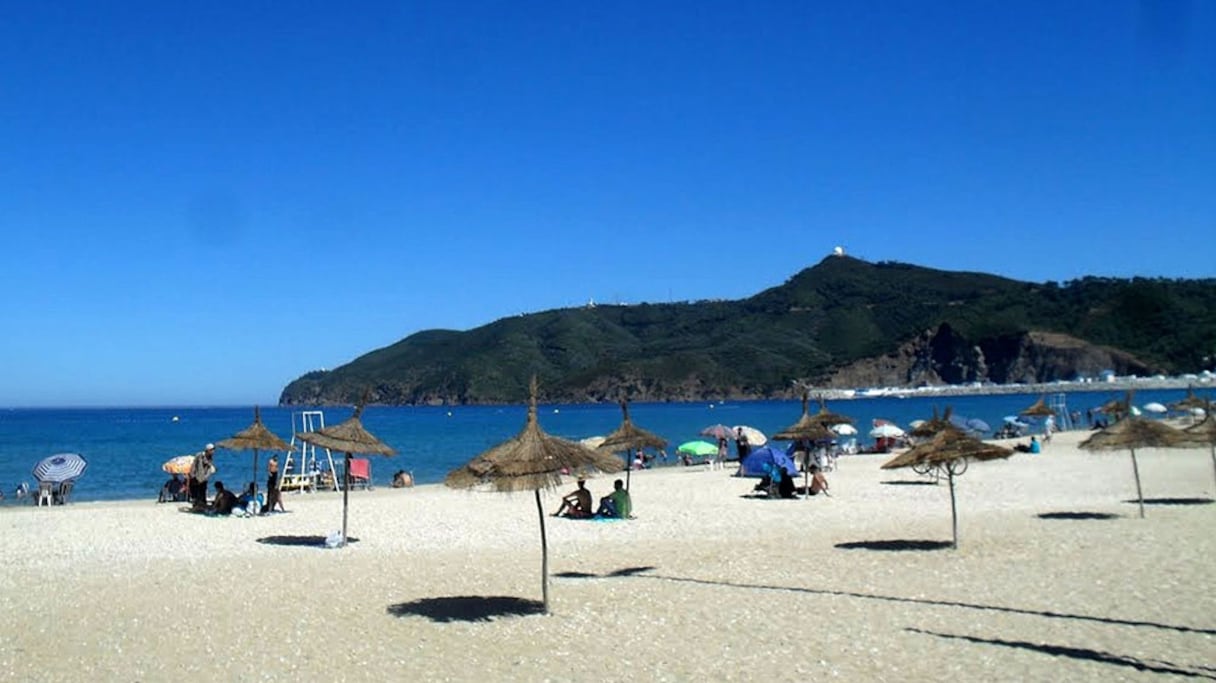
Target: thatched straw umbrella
(531,461)
(949,451)
(1204,434)
(1038,409)
(1118,408)
(349,437)
(1190,402)
(1132,433)
(255,437)
(936,425)
(810,428)
(628,437)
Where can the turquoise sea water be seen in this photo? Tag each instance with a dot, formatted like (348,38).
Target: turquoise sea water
(126,446)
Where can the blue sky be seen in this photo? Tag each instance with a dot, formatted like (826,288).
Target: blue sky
(202,201)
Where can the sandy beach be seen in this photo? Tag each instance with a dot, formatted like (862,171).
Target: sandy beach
(1056,578)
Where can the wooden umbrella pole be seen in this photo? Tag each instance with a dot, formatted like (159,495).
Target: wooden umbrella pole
(544,553)
(255,474)
(628,468)
(1214,459)
(953,505)
(345,499)
(1136,471)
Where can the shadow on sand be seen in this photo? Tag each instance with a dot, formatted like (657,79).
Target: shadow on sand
(1076,515)
(895,545)
(1156,666)
(626,571)
(470,608)
(1173,501)
(314,541)
(642,573)
(909,482)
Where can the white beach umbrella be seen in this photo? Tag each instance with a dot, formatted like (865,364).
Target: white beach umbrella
(593,442)
(886,431)
(755,437)
(844,429)
(1154,407)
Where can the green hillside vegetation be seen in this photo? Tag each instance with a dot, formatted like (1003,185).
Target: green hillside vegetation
(825,317)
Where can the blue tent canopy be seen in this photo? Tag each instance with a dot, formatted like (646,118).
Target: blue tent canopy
(763,460)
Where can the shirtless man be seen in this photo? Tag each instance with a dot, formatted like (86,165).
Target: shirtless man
(577,503)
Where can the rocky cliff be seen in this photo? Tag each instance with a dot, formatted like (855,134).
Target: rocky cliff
(943,356)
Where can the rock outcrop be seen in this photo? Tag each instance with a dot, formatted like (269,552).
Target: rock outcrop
(943,356)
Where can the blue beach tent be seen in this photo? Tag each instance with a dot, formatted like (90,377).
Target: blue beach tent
(760,461)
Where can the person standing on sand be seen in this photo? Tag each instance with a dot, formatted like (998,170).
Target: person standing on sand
(742,447)
(273,495)
(819,483)
(201,470)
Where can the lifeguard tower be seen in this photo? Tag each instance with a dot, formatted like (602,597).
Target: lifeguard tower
(306,474)
(1064,420)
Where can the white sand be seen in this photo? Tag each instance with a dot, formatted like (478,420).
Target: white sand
(733,588)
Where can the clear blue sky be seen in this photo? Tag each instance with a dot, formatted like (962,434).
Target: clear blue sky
(202,201)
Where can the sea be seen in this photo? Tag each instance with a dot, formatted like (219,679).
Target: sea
(126,447)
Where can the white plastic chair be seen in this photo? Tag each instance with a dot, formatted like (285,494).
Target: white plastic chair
(46,494)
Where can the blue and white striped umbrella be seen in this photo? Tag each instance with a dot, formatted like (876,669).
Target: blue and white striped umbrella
(60,467)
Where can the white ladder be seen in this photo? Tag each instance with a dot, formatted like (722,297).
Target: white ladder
(310,421)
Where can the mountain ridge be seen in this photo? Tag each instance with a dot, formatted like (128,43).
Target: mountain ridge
(823,326)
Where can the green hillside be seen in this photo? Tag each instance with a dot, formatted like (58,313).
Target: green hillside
(840,311)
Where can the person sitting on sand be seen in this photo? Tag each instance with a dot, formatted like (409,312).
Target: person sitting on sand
(1032,447)
(224,501)
(402,479)
(171,491)
(819,483)
(616,504)
(577,503)
(785,487)
(247,498)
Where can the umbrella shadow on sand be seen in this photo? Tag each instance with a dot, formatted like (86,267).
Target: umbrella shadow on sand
(623,572)
(1069,514)
(1174,501)
(1159,666)
(470,608)
(908,482)
(649,573)
(311,541)
(896,545)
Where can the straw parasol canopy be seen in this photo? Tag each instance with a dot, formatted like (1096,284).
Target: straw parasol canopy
(949,451)
(1038,409)
(1191,401)
(530,461)
(829,419)
(255,437)
(1118,408)
(935,425)
(629,437)
(807,427)
(1131,433)
(348,437)
(1203,434)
